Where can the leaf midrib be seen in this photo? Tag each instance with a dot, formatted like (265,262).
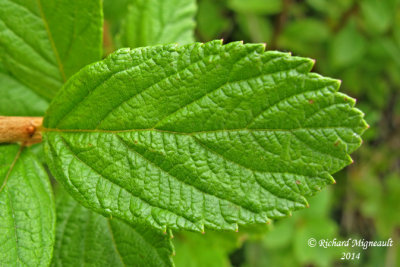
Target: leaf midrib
(44,129)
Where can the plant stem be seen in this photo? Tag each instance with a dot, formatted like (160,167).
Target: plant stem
(20,129)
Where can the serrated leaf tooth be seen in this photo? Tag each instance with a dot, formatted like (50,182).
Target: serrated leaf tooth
(265,46)
(305,202)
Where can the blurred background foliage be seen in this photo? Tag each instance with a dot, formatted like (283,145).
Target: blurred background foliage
(357,41)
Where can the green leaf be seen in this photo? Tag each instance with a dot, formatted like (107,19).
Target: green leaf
(256,27)
(264,7)
(211,249)
(333,9)
(114,9)
(151,22)
(203,135)
(27,216)
(45,42)
(378,15)
(211,19)
(85,238)
(18,100)
(347,47)
(304,36)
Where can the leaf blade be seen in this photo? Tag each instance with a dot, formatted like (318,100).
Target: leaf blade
(173,140)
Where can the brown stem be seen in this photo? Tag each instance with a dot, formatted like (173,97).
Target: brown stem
(20,129)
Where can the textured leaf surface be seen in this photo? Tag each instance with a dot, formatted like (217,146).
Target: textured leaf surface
(152,22)
(202,135)
(86,238)
(45,42)
(27,216)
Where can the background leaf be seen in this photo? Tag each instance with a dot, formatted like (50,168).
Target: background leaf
(16,99)
(87,238)
(256,6)
(169,143)
(151,22)
(27,215)
(211,249)
(45,42)
(212,19)
(347,47)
